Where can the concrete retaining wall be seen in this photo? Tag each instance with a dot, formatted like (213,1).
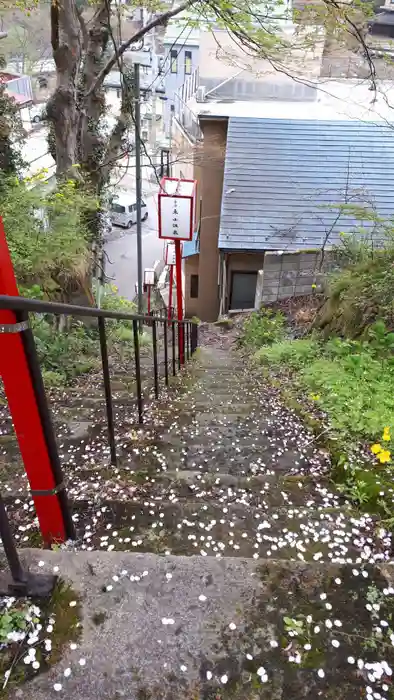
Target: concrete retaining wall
(292,274)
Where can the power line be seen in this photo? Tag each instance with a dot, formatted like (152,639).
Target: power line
(163,75)
(121,71)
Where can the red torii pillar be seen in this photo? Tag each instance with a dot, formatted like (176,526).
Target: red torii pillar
(24,389)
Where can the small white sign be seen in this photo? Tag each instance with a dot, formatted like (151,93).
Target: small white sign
(170,254)
(176,218)
(149,276)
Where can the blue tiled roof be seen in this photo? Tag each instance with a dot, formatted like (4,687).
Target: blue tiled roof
(284,177)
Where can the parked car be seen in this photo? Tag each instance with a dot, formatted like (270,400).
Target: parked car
(123,210)
(37,113)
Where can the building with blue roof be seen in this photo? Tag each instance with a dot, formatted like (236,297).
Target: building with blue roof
(275,191)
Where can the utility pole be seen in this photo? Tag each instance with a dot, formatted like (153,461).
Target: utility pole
(138,182)
(153,128)
(170,145)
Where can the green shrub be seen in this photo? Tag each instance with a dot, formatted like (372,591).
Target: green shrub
(145,340)
(66,353)
(112,301)
(291,352)
(356,390)
(75,350)
(359,295)
(53,379)
(263,328)
(353,380)
(122,334)
(46,235)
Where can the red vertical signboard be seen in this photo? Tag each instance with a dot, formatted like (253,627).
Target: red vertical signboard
(177,211)
(179,300)
(22,401)
(170,260)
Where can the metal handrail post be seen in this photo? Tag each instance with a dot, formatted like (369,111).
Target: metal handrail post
(107,390)
(165,353)
(138,370)
(155,366)
(23,583)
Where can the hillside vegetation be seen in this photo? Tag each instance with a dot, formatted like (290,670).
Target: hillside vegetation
(339,373)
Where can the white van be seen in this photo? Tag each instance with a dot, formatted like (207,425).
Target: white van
(124,210)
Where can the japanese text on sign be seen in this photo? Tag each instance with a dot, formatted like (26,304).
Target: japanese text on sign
(176,218)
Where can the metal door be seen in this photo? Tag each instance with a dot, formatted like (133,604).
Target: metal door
(243,290)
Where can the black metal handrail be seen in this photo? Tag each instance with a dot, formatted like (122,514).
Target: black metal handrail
(186,333)
(54,307)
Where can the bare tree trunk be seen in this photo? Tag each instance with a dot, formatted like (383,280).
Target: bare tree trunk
(62,106)
(91,143)
(123,123)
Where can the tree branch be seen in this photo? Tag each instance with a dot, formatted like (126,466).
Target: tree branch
(157,22)
(82,24)
(54,25)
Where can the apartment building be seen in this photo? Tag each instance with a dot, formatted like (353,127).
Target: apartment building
(178,61)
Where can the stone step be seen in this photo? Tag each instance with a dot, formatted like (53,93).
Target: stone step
(232,529)
(129,481)
(205,629)
(230,406)
(244,460)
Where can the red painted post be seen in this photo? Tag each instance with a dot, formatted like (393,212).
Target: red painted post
(20,392)
(170,292)
(179,298)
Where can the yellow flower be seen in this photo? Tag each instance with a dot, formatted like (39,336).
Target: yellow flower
(384,456)
(386,434)
(313,286)
(315,397)
(376,448)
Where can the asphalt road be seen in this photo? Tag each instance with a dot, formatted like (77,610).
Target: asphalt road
(121,249)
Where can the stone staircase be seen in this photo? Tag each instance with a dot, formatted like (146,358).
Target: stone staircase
(217,525)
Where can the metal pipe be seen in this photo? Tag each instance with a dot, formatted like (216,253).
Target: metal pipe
(155,368)
(138,370)
(107,389)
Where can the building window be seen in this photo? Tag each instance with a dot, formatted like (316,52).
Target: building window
(174,61)
(193,286)
(188,62)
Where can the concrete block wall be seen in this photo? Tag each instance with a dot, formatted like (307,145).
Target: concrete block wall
(291,274)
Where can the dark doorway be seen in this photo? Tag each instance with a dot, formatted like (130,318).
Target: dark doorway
(243,290)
